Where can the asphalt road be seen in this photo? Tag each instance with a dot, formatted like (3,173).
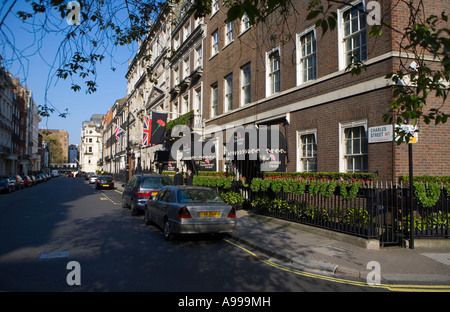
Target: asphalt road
(65,236)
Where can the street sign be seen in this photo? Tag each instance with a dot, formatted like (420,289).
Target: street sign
(409,129)
(381,134)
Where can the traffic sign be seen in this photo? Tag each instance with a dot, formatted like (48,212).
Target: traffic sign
(408,129)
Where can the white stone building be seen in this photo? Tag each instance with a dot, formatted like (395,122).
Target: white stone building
(91,144)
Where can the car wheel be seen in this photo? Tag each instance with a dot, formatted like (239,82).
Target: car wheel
(134,211)
(168,235)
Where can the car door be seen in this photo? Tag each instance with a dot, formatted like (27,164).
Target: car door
(155,208)
(128,190)
(164,205)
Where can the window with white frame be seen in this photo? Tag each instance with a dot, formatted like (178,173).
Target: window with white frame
(176,76)
(307,151)
(214,100)
(175,108)
(185,104)
(273,72)
(229,33)
(198,56)
(308,58)
(215,6)
(186,29)
(187,69)
(245,22)
(176,42)
(355,147)
(246,84)
(215,43)
(198,100)
(354,34)
(229,92)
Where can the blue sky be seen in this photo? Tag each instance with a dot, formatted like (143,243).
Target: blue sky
(81,106)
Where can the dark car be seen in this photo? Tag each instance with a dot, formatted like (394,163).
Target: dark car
(140,188)
(18,181)
(27,181)
(189,210)
(6,186)
(104,182)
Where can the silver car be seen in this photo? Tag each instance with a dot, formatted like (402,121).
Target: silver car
(189,210)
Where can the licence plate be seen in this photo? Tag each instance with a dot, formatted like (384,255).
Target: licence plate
(209,213)
(105,184)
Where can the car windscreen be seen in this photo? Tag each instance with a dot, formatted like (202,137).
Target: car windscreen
(198,196)
(105,179)
(155,182)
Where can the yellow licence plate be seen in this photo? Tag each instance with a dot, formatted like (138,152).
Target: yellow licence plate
(105,184)
(209,213)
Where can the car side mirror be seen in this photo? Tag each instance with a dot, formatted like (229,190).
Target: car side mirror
(123,185)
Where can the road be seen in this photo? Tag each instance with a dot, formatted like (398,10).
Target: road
(66,221)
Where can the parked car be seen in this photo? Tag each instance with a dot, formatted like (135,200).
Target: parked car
(139,189)
(92,179)
(27,181)
(38,178)
(104,182)
(189,210)
(18,181)
(6,186)
(33,179)
(88,175)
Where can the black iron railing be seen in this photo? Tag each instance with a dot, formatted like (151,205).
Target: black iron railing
(380,212)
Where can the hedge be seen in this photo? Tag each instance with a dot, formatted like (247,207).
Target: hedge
(365,176)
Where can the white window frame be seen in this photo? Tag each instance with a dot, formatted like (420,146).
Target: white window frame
(342,38)
(246,85)
(228,93)
(228,33)
(301,57)
(342,144)
(214,100)
(215,7)
(199,56)
(187,29)
(272,73)
(186,66)
(176,76)
(198,96)
(185,104)
(245,23)
(300,134)
(214,43)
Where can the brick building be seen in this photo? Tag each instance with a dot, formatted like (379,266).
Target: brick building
(284,75)
(297,80)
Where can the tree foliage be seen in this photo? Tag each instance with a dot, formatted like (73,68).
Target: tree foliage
(108,24)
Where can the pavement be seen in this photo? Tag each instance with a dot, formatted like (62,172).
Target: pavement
(342,256)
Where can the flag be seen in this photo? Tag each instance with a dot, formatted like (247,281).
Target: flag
(117,132)
(147,131)
(158,128)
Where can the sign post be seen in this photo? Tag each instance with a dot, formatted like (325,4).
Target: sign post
(411,193)
(410,129)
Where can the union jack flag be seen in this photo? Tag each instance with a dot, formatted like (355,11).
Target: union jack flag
(147,132)
(117,132)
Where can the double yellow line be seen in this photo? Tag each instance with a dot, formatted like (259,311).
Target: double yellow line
(107,198)
(393,287)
